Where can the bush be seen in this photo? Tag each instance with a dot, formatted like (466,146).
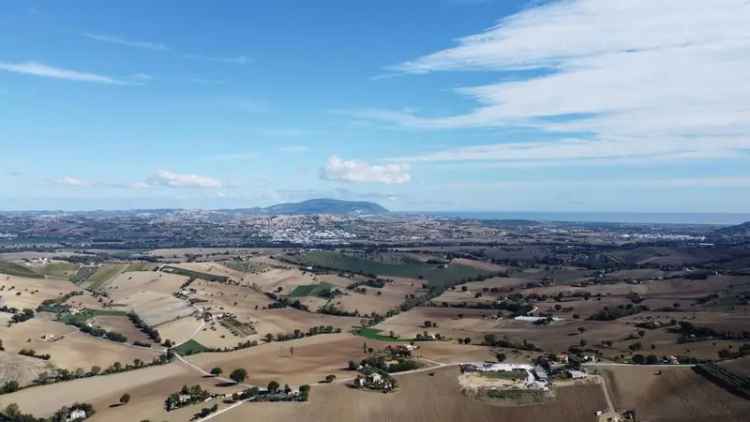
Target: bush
(238,375)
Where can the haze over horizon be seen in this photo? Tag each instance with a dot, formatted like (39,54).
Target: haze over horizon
(452,105)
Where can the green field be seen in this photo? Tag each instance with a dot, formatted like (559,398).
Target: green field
(318,290)
(375,334)
(191,347)
(434,275)
(104,274)
(194,274)
(63,270)
(17,270)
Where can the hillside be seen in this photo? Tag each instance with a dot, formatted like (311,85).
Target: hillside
(326,206)
(740,230)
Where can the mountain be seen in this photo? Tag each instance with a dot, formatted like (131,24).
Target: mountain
(740,230)
(326,206)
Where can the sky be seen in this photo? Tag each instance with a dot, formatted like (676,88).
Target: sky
(465,105)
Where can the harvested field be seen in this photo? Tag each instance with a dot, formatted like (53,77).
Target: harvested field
(22,369)
(148,388)
(313,358)
(121,324)
(21,292)
(179,330)
(150,295)
(73,349)
(379,300)
(421,397)
(678,394)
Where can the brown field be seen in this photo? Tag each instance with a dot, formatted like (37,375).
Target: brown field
(313,359)
(481,265)
(33,291)
(678,394)
(122,325)
(421,397)
(74,350)
(391,296)
(179,330)
(22,369)
(150,294)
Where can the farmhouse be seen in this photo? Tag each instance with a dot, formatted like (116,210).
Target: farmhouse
(76,415)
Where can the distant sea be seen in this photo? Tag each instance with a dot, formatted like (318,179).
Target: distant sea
(598,217)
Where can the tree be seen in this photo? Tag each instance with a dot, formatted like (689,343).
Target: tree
(238,375)
(638,359)
(467,340)
(500,357)
(216,371)
(9,387)
(125,399)
(273,386)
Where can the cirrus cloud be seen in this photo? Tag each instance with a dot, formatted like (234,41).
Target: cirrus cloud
(353,171)
(43,70)
(624,79)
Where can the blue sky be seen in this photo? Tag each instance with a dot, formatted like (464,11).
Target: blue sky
(588,105)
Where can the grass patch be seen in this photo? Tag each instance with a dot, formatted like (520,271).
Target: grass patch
(375,334)
(194,274)
(433,274)
(191,347)
(318,290)
(88,314)
(17,270)
(104,274)
(63,270)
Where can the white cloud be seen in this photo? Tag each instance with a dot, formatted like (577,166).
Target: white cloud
(74,182)
(360,172)
(641,77)
(176,180)
(43,70)
(128,43)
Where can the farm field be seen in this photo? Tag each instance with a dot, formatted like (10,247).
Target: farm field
(421,397)
(70,349)
(23,292)
(433,274)
(678,394)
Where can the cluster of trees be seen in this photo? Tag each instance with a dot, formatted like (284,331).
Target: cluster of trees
(331,309)
(12,413)
(151,332)
(55,305)
(205,412)
(22,316)
(620,311)
(312,331)
(32,353)
(493,341)
(689,332)
(375,283)
(380,362)
(274,392)
(60,375)
(185,397)
(81,324)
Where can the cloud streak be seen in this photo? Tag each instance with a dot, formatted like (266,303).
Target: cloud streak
(127,43)
(46,71)
(638,78)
